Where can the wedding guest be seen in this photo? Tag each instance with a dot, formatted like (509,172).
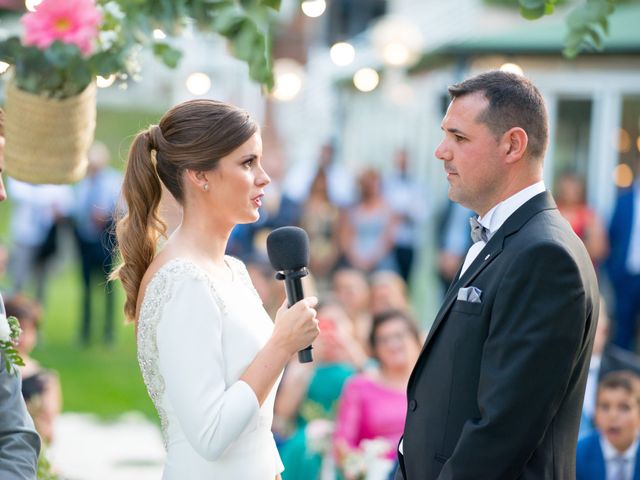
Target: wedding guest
(351,289)
(320,220)
(263,278)
(572,204)
(195,306)
(388,292)
(367,230)
(373,404)
(623,263)
(605,358)
(612,452)
(406,196)
(96,199)
(19,441)
(452,232)
(38,213)
(308,395)
(40,386)
(341,185)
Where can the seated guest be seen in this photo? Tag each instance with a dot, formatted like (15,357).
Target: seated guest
(306,402)
(612,452)
(374,403)
(40,387)
(605,358)
(388,291)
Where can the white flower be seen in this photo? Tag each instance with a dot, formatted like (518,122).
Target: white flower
(113,9)
(107,38)
(5,329)
(318,433)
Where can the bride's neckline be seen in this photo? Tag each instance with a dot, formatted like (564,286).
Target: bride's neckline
(228,260)
(207,273)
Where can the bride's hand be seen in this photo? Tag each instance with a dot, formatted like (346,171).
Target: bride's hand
(296,327)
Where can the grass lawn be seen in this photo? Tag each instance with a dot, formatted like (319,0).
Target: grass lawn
(98,379)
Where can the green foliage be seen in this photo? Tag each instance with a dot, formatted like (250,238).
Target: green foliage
(44,467)
(60,71)
(588,23)
(245,24)
(10,357)
(534,9)
(8,353)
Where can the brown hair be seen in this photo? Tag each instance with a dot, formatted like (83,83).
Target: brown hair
(24,309)
(625,380)
(1,122)
(513,102)
(388,315)
(193,135)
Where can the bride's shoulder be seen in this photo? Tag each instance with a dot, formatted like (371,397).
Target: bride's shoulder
(164,272)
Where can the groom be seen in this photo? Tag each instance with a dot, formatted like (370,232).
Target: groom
(19,442)
(497,390)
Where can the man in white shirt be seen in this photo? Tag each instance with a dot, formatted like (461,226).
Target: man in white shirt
(497,391)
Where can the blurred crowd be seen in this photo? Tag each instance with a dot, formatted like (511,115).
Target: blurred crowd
(342,415)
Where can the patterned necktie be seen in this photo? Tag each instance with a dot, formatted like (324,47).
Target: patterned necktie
(479,233)
(620,468)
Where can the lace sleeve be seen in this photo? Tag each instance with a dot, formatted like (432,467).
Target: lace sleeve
(190,358)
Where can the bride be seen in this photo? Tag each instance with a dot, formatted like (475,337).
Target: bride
(210,356)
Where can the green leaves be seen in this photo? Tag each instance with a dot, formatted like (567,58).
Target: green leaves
(10,357)
(170,56)
(244,23)
(534,9)
(61,71)
(588,24)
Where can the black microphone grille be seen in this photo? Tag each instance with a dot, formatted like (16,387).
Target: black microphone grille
(288,248)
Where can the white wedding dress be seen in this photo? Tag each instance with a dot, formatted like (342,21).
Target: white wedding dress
(196,336)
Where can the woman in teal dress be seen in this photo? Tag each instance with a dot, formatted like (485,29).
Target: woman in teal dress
(307,401)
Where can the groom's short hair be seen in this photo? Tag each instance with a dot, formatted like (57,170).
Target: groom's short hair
(513,102)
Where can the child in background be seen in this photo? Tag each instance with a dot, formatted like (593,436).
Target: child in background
(612,452)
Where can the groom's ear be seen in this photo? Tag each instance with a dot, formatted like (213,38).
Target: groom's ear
(514,144)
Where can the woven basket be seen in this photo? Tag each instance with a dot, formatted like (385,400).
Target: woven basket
(47,139)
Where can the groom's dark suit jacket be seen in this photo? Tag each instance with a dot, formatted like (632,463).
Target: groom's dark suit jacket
(497,390)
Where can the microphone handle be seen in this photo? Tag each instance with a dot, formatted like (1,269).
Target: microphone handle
(293,287)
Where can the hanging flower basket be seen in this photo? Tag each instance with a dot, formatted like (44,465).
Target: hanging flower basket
(47,139)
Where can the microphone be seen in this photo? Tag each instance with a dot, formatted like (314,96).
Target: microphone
(288,250)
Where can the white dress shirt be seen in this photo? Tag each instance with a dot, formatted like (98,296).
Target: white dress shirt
(589,407)
(495,217)
(611,456)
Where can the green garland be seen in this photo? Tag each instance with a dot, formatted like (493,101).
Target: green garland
(8,353)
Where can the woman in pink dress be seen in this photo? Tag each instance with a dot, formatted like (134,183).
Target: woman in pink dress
(374,403)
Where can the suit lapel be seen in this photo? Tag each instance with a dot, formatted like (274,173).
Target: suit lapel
(542,201)
(484,258)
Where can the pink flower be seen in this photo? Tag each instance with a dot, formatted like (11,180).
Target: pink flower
(74,22)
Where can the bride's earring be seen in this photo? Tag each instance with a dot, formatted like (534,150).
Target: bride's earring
(205,187)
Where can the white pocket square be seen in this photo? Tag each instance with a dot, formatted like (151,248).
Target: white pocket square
(470,294)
